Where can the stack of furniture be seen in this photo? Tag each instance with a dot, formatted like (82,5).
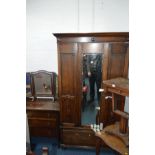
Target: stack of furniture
(44,117)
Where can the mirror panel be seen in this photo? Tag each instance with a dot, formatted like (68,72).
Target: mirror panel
(91,82)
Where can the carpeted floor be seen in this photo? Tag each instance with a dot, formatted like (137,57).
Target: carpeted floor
(54,149)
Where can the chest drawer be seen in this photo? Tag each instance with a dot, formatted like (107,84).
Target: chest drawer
(45,132)
(51,123)
(117,91)
(41,114)
(77,137)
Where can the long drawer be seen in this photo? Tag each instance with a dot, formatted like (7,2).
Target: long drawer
(41,114)
(78,137)
(50,123)
(45,132)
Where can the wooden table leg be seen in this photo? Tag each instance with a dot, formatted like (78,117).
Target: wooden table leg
(98,145)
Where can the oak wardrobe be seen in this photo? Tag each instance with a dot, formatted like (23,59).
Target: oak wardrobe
(113,49)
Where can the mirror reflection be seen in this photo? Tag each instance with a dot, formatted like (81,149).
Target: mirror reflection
(92,75)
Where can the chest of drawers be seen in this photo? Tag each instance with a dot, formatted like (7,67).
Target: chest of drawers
(43,119)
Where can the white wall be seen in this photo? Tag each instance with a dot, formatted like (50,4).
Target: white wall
(111,15)
(45,17)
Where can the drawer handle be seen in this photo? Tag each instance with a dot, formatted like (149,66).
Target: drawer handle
(97,108)
(101,90)
(107,97)
(113,85)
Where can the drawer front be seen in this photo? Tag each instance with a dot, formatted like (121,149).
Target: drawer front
(51,123)
(44,114)
(117,91)
(45,132)
(80,138)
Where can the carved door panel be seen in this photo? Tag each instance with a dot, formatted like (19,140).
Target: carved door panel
(67,82)
(68,109)
(116,62)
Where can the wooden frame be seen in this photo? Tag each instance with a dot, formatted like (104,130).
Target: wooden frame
(42,82)
(29,87)
(119,86)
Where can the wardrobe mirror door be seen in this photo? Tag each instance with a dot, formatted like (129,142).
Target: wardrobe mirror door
(91,83)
